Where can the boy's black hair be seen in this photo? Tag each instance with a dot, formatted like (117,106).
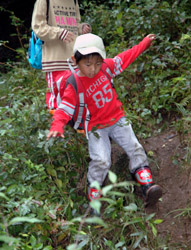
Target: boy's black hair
(78,56)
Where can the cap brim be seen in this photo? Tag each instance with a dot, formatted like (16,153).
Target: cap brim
(90,50)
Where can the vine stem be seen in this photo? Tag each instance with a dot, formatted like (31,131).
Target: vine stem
(81,225)
(5,223)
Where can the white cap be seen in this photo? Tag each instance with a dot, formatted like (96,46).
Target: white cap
(89,43)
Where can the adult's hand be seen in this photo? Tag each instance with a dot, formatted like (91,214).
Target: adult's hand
(86,29)
(70,37)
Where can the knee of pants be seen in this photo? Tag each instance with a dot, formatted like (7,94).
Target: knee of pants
(102,162)
(97,171)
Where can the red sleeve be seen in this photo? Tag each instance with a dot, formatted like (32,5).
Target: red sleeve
(120,62)
(65,111)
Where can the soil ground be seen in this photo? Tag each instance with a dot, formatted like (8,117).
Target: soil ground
(175,179)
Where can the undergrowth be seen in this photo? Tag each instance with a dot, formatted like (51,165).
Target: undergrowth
(43,184)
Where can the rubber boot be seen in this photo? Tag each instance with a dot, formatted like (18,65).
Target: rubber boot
(151,192)
(93,194)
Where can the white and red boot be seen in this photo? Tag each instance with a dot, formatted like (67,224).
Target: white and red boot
(151,192)
(93,194)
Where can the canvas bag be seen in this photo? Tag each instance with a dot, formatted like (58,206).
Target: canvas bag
(34,54)
(35,51)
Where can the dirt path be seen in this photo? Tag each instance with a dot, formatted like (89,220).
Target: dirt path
(175,180)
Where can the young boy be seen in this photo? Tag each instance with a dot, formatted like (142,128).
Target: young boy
(107,118)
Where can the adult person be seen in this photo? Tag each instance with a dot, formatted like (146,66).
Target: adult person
(57,23)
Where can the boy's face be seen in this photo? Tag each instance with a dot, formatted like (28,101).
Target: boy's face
(90,66)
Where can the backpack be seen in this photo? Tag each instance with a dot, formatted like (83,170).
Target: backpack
(81,115)
(34,54)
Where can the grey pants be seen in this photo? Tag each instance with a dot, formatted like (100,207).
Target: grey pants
(100,149)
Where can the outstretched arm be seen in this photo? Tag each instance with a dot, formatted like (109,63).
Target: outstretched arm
(120,62)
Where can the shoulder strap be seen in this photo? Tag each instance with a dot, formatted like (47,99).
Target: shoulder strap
(75,81)
(47,9)
(72,80)
(70,66)
(82,105)
(81,100)
(107,72)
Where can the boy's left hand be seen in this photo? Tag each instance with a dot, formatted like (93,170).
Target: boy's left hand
(54,134)
(151,37)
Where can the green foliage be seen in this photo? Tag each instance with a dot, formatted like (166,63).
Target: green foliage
(183,212)
(160,77)
(40,207)
(43,184)
(20,35)
(126,219)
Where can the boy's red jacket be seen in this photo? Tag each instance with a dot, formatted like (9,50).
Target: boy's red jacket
(101,98)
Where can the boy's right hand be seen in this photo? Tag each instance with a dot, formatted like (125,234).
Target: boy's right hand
(151,37)
(54,134)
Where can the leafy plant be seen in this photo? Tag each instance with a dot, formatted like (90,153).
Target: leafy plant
(43,184)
